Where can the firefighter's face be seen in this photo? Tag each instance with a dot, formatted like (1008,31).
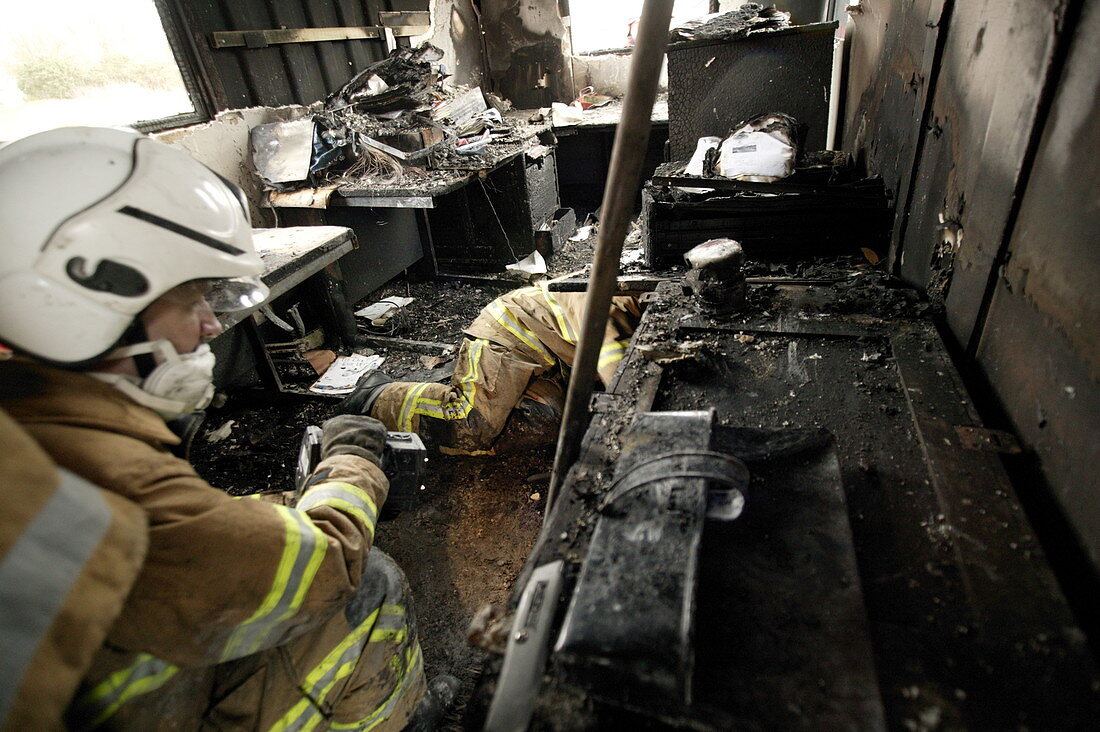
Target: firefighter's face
(183,317)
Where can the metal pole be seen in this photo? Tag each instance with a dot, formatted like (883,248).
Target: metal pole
(623,181)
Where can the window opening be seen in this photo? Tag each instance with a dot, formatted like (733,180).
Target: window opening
(611,24)
(74,62)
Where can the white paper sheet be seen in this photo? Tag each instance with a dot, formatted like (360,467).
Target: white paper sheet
(344,372)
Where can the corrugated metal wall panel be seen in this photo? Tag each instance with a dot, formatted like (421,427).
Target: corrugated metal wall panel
(289,73)
(263,68)
(223,68)
(351,12)
(336,66)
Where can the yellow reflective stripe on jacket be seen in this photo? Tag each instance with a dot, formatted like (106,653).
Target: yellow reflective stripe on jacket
(612,352)
(413,662)
(99,703)
(512,325)
(345,497)
(567,333)
(303,550)
(386,623)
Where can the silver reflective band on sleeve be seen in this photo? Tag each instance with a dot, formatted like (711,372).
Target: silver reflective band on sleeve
(38,573)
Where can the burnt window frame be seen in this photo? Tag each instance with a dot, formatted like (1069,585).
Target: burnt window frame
(195,80)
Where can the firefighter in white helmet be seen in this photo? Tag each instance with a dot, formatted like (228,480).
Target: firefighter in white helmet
(115,250)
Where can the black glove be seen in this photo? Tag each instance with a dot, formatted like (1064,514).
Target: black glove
(367,390)
(353,434)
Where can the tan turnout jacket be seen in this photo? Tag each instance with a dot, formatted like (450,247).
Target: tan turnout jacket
(225,578)
(69,553)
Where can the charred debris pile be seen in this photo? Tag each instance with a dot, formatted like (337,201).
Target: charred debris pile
(745,20)
(396,118)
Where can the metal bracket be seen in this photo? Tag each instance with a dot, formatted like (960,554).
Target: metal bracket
(528,646)
(263,38)
(406,22)
(987,440)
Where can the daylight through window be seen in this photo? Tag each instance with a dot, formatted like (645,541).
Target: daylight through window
(74,62)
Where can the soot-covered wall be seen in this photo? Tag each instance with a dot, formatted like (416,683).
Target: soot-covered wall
(981,116)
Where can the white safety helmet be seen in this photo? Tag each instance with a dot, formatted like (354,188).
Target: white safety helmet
(97,223)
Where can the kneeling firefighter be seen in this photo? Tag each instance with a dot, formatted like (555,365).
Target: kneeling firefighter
(511,358)
(132,593)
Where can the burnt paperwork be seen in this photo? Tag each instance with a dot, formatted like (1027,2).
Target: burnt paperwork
(395,120)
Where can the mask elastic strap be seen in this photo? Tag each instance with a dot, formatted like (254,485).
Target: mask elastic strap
(166,408)
(136,335)
(145,350)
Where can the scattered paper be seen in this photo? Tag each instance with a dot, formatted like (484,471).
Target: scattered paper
(695,165)
(532,264)
(566,114)
(376,84)
(537,151)
(582,233)
(221,433)
(383,309)
(473,145)
(461,108)
(344,373)
(631,256)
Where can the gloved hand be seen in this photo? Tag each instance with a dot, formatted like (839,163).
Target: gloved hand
(353,434)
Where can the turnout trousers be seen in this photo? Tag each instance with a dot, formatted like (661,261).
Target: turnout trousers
(362,670)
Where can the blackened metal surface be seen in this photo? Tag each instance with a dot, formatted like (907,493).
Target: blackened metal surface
(805,638)
(541,186)
(892,65)
(628,632)
(968,628)
(996,62)
(486,224)
(389,242)
(715,85)
(552,235)
(1040,348)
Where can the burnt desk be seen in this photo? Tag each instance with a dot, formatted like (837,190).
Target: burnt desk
(291,256)
(472,213)
(460,212)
